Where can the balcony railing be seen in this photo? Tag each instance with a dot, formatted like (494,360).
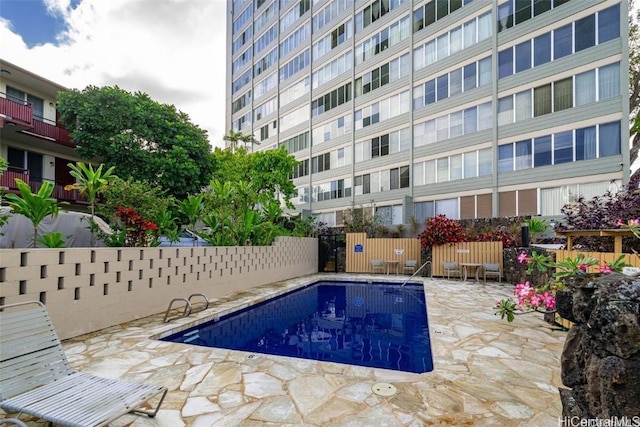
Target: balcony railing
(59,134)
(22,113)
(19,112)
(8,181)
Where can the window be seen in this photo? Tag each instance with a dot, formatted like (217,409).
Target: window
(523,105)
(586,143)
(471,164)
(524,156)
(563,147)
(485,162)
(505,158)
(609,139)
(609,81)
(563,94)
(505,16)
(423,211)
(442,169)
(562,41)
(541,6)
(523,11)
(542,100)
(523,56)
(505,63)
(470,76)
(448,207)
(505,110)
(442,87)
(26,160)
(585,88)
(585,30)
(542,151)
(542,49)
(609,24)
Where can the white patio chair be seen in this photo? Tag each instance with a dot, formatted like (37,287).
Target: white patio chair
(377,265)
(492,269)
(410,265)
(451,267)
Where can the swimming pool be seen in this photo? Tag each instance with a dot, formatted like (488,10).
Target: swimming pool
(379,325)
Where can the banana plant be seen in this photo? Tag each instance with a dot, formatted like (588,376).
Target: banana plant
(35,206)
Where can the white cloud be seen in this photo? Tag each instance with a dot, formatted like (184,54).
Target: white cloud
(172,49)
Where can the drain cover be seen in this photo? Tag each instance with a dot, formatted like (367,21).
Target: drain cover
(384,389)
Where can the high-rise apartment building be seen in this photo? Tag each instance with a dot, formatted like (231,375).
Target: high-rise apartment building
(471,108)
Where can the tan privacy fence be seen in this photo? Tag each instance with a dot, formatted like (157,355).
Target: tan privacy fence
(602,257)
(361,250)
(466,252)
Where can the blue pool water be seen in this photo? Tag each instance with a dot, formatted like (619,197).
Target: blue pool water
(378,325)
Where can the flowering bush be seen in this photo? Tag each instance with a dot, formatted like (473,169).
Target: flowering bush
(632,224)
(507,238)
(440,230)
(542,299)
(137,231)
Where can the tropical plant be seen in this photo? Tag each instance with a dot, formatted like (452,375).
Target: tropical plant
(441,230)
(136,230)
(150,202)
(537,227)
(3,217)
(361,220)
(542,298)
(192,207)
(236,137)
(34,206)
(90,183)
(52,240)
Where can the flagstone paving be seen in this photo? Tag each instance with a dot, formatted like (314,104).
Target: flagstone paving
(487,372)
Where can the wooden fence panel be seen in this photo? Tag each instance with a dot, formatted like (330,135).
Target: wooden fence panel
(631,259)
(466,252)
(384,249)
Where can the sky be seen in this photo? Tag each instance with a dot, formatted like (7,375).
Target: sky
(174,50)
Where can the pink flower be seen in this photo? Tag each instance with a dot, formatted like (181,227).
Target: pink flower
(633,222)
(619,223)
(523,258)
(582,267)
(604,268)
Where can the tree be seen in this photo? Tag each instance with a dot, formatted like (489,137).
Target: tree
(268,171)
(144,139)
(235,138)
(634,77)
(35,206)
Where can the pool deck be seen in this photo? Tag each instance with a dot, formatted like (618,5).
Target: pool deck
(487,372)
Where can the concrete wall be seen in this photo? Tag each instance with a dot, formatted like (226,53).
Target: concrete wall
(87,289)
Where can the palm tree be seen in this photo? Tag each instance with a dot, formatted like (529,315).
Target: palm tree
(235,138)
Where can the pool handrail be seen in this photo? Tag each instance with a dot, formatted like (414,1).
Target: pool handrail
(414,274)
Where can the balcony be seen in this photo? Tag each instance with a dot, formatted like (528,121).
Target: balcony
(20,114)
(15,112)
(8,182)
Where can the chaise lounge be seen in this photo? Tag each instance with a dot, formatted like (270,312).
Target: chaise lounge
(35,377)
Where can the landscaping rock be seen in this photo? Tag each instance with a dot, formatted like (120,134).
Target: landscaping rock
(601,356)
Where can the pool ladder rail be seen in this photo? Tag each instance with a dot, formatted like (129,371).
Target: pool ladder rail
(188,307)
(416,273)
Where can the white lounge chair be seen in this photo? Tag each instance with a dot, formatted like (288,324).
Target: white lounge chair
(35,377)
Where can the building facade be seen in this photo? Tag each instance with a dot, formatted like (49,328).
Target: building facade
(32,141)
(471,108)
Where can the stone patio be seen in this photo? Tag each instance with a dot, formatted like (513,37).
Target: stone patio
(487,372)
